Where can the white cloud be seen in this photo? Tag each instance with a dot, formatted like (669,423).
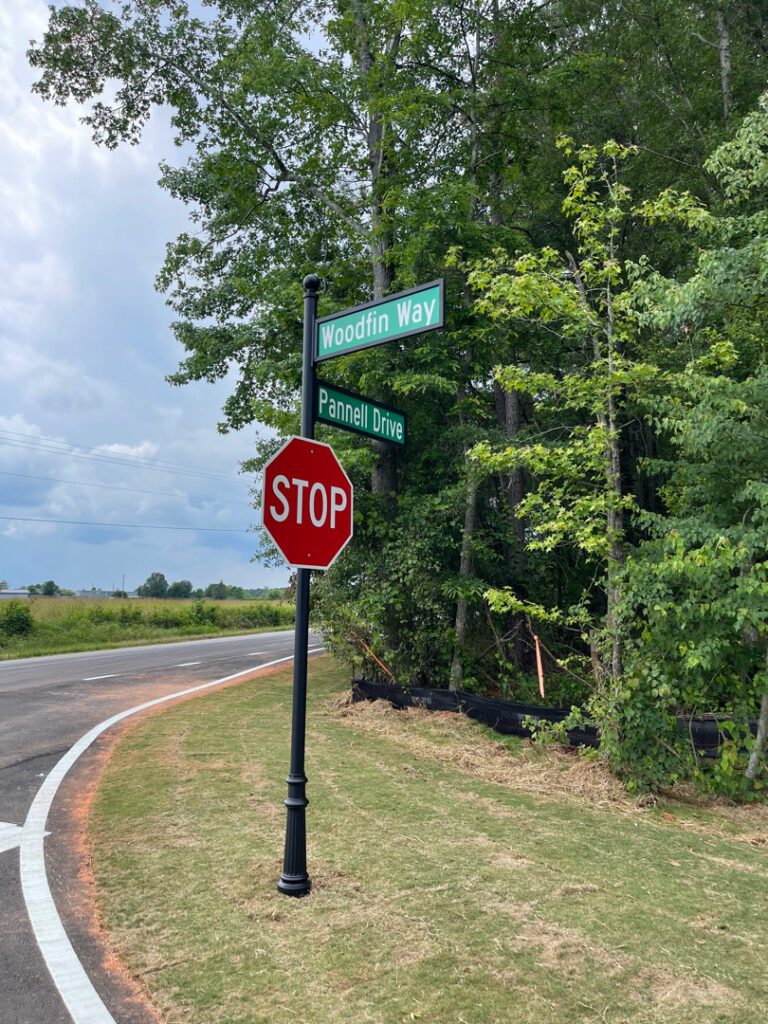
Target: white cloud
(43,477)
(84,348)
(46,382)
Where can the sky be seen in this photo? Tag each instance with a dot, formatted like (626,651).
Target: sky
(85,345)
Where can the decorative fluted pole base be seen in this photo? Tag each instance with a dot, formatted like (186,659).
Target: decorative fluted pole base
(294,881)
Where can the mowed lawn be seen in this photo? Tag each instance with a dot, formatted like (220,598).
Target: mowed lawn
(456,879)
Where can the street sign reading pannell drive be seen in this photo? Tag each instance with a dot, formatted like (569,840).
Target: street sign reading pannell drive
(307,503)
(341,408)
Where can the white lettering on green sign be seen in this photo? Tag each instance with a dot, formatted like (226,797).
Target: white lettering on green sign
(354,413)
(398,317)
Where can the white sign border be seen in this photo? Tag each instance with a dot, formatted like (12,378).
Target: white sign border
(320,444)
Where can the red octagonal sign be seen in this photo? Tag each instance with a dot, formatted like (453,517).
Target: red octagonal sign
(307,503)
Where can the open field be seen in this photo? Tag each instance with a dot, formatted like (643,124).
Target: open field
(457,879)
(62,624)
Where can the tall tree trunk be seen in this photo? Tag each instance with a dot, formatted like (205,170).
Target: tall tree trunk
(384,475)
(384,472)
(465,570)
(508,420)
(615,526)
(762,734)
(724,49)
(614,520)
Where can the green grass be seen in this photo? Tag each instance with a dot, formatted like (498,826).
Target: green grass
(61,624)
(456,880)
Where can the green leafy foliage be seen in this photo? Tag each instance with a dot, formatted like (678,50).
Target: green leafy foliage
(155,585)
(551,421)
(15,619)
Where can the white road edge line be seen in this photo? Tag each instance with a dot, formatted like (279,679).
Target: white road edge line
(91,679)
(187,664)
(75,987)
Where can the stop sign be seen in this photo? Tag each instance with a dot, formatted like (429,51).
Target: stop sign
(307,503)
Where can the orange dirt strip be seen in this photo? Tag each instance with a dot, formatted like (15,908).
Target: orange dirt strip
(70,872)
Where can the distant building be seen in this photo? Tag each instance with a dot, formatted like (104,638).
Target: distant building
(8,594)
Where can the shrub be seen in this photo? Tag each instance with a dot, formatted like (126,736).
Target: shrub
(129,616)
(168,618)
(101,613)
(203,614)
(15,618)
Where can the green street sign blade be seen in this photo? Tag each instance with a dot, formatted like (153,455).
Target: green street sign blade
(341,408)
(374,323)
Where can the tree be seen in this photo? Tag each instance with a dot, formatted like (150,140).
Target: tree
(180,588)
(415,128)
(3,584)
(49,589)
(696,599)
(217,591)
(582,303)
(155,585)
(695,594)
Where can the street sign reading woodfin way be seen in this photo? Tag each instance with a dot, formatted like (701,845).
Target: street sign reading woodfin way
(341,408)
(396,316)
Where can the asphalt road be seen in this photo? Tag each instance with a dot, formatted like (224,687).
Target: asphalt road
(46,705)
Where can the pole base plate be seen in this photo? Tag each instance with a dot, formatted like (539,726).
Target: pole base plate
(294,885)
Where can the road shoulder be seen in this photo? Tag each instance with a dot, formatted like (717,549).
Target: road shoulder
(68,859)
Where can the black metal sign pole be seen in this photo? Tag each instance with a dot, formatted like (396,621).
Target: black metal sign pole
(294,881)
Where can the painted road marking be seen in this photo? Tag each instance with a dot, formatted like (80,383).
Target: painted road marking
(92,679)
(10,836)
(238,657)
(187,664)
(75,987)
(231,657)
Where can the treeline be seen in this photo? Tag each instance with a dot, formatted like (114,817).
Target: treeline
(35,627)
(585,475)
(156,585)
(49,588)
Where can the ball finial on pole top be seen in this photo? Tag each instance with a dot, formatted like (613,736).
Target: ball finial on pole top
(311,283)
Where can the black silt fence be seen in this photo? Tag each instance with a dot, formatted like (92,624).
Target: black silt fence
(508,717)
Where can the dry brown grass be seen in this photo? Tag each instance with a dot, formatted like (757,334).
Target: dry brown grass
(454,739)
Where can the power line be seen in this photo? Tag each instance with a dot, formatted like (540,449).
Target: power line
(116,487)
(126,526)
(65,448)
(118,460)
(38,440)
